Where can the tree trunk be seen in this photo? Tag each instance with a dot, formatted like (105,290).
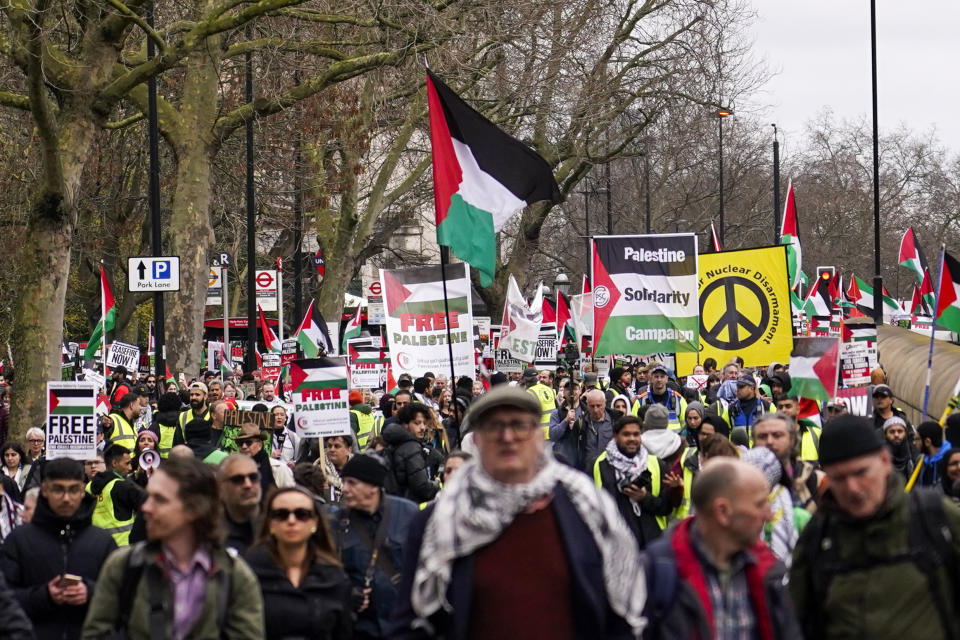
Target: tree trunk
(190,229)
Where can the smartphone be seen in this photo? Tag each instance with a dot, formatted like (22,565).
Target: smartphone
(69,580)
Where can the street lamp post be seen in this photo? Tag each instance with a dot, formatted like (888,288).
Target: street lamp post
(646,186)
(877,278)
(561,283)
(776,186)
(720,114)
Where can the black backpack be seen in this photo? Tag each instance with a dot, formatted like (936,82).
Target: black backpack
(930,547)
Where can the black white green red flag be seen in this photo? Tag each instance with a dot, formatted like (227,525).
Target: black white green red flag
(815,367)
(948,300)
(107,318)
(482,177)
(911,255)
(790,235)
(645,294)
(270,341)
(312,335)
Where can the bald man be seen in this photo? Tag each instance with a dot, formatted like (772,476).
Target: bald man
(710,576)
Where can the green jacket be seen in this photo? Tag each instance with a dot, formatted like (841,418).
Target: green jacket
(889,597)
(243,619)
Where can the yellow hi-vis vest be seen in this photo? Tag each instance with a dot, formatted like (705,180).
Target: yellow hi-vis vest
(166,440)
(683,510)
(653,466)
(123,432)
(188,415)
(810,444)
(105,518)
(548,404)
(676,411)
(364,427)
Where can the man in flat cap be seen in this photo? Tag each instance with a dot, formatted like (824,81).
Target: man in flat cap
(875,562)
(518,545)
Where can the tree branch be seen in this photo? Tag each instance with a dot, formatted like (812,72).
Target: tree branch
(14,100)
(140,22)
(125,122)
(283,44)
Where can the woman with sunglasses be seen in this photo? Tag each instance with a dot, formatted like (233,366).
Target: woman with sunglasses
(306,593)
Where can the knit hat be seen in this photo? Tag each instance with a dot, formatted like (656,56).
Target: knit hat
(661,443)
(150,434)
(169,401)
(365,468)
(846,437)
(355,397)
(656,417)
(894,420)
(720,425)
(765,460)
(197,429)
(616,373)
(498,377)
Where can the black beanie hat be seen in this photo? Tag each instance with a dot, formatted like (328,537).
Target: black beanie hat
(720,425)
(365,468)
(197,430)
(169,401)
(846,437)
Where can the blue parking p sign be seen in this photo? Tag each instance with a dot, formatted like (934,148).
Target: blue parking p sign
(153,273)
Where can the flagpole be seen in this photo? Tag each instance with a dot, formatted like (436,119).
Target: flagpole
(103,321)
(444,257)
(933,331)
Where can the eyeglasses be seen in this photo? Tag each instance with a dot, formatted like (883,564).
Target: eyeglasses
(58,490)
(245,443)
(300,514)
(522,428)
(35,440)
(239,478)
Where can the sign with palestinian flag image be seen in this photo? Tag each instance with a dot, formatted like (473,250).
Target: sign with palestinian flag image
(417,324)
(71,423)
(368,364)
(320,404)
(815,368)
(645,294)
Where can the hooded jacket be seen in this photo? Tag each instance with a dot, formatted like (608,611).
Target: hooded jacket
(49,546)
(408,464)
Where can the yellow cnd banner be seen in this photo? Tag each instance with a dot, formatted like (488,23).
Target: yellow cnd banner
(744,309)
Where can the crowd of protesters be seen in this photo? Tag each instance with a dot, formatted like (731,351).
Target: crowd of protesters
(540,504)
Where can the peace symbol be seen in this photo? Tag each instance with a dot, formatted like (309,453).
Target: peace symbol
(733,320)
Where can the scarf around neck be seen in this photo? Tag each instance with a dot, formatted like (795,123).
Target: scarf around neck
(474,509)
(627,469)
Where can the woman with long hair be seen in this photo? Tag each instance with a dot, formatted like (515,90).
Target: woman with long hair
(306,593)
(15,465)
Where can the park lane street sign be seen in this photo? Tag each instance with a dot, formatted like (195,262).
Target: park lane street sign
(153,274)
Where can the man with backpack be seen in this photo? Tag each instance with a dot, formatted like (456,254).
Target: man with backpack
(406,455)
(182,583)
(709,576)
(875,562)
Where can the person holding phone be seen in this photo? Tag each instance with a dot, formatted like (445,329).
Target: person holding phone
(634,478)
(53,562)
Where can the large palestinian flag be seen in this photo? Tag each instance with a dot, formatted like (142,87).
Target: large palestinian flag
(815,367)
(948,303)
(481,178)
(911,255)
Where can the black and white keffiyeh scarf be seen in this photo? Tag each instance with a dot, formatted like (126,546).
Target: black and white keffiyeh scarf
(626,469)
(474,509)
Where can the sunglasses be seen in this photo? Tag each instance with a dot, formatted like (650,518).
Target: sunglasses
(245,443)
(300,514)
(239,479)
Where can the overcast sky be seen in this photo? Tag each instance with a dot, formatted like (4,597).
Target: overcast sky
(819,51)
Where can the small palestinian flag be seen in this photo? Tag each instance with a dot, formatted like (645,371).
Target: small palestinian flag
(270,341)
(482,177)
(312,334)
(859,332)
(565,330)
(108,317)
(808,413)
(170,379)
(71,401)
(865,301)
(226,368)
(352,330)
(927,295)
(911,255)
(790,235)
(815,367)
(819,301)
(318,373)
(948,303)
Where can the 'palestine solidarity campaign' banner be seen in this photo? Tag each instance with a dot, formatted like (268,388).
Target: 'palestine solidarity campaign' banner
(417,326)
(744,308)
(645,294)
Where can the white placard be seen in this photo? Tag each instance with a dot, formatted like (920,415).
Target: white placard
(71,420)
(124,355)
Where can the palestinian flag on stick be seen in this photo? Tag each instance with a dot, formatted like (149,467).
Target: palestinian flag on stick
(170,377)
(916,305)
(565,330)
(790,235)
(71,401)
(808,413)
(911,255)
(270,341)
(108,315)
(482,177)
(226,368)
(865,300)
(948,302)
(815,367)
(352,330)
(927,295)
(312,334)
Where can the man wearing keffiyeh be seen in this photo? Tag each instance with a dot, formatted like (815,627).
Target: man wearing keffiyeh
(518,545)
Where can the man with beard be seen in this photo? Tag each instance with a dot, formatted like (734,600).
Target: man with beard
(198,405)
(659,393)
(901,449)
(632,476)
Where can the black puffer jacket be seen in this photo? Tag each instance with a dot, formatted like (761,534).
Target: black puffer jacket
(409,463)
(49,546)
(319,609)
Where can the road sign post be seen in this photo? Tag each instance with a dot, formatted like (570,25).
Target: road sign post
(224,260)
(280,299)
(153,274)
